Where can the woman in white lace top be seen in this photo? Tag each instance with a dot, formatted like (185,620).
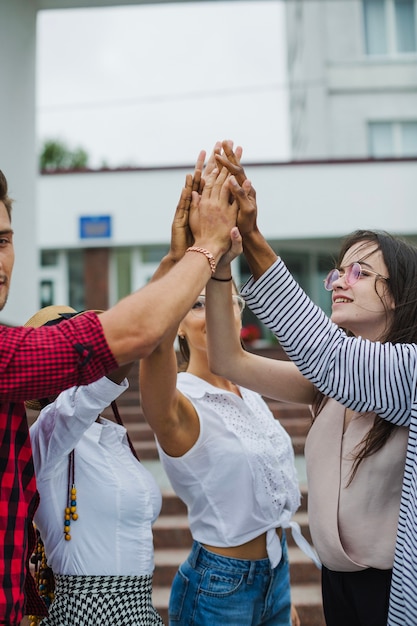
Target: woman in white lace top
(231,462)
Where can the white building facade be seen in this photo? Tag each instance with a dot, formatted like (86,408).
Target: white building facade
(352,67)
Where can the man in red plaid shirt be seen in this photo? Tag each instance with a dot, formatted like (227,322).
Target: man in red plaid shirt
(38,363)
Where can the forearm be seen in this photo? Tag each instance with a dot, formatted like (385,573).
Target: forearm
(62,423)
(360,374)
(259,254)
(150,313)
(276,379)
(157,386)
(224,349)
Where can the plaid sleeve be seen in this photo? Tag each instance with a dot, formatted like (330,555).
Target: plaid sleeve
(38,362)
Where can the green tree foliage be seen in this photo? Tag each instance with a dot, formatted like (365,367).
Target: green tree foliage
(55,155)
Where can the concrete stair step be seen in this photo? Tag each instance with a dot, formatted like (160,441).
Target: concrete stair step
(146,450)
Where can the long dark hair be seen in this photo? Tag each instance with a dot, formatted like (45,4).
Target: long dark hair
(400,259)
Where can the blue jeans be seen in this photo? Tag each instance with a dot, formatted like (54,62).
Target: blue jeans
(213,590)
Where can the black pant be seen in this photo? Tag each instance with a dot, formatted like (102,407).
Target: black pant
(356,598)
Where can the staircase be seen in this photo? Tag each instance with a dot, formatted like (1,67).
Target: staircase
(172,538)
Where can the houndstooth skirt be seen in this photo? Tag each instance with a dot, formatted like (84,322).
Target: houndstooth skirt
(102,601)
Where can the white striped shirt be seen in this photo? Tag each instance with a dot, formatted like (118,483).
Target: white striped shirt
(362,375)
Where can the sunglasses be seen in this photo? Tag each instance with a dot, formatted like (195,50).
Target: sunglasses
(199,306)
(351,275)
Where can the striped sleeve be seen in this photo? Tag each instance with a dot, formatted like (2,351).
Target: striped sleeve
(362,375)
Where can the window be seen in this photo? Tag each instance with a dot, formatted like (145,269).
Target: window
(390,26)
(392,139)
(49,258)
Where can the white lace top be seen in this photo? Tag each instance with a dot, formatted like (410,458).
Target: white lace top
(239,479)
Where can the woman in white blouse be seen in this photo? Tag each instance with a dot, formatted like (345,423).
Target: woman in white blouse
(232,464)
(99,544)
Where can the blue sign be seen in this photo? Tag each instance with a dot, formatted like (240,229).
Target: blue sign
(95,227)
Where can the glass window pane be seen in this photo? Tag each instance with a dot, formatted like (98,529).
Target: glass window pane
(405,25)
(76,279)
(408,138)
(123,272)
(49,258)
(324,301)
(375,26)
(381,139)
(153,254)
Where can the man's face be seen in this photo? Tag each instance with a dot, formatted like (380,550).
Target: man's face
(6,254)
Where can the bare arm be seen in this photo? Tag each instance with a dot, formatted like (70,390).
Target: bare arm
(280,380)
(170,415)
(168,412)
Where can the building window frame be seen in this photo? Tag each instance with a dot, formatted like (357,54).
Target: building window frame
(396,134)
(389,43)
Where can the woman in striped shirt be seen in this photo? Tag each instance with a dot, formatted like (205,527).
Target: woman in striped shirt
(375,296)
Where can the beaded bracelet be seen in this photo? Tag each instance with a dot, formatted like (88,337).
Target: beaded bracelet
(207,254)
(222,280)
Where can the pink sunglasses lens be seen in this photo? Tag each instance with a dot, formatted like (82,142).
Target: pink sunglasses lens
(353,274)
(331,277)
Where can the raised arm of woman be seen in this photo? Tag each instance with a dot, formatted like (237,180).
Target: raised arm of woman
(280,380)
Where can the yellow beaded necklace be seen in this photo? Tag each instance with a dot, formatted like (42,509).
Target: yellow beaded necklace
(71,508)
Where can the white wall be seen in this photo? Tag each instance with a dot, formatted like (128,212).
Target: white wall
(295,201)
(17,148)
(343,87)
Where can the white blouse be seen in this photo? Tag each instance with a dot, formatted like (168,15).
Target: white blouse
(117,498)
(239,479)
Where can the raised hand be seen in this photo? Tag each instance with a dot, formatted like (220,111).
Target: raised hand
(223,266)
(181,235)
(245,196)
(212,214)
(246,220)
(212,162)
(259,254)
(231,160)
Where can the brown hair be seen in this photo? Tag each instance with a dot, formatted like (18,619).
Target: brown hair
(400,259)
(4,197)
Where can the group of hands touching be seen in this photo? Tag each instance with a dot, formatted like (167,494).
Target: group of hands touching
(217,204)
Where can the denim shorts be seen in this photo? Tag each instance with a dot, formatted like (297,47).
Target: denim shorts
(213,590)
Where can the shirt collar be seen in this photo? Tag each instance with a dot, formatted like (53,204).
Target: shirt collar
(97,431)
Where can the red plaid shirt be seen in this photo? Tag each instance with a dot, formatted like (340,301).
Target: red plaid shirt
(34,363)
